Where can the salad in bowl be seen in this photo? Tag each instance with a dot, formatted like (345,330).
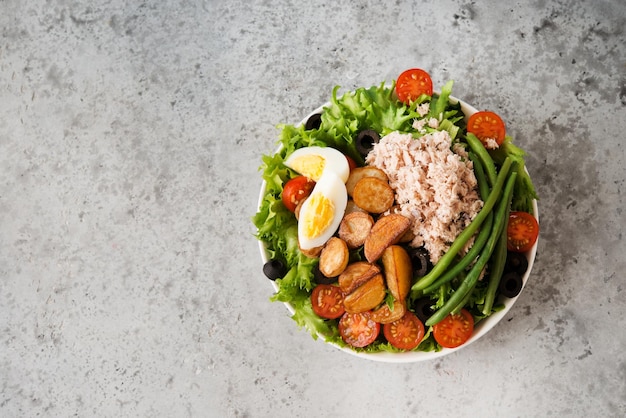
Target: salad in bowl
(396,222)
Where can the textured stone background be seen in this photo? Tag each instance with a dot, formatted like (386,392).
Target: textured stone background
(130,137)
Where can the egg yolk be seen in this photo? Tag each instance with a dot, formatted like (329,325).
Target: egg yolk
(311,166)
(319,215)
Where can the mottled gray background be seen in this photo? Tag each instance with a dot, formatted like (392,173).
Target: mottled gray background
(130,137)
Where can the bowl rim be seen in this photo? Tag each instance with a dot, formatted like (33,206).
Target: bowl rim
(482,328)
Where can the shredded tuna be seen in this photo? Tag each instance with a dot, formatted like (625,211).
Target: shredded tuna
(418,125)
(435,186)
(423,109)
(433,123)
(491,143)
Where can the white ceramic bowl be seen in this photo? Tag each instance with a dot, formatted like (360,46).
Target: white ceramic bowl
(481,328)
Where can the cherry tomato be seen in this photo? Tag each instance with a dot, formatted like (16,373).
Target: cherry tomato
(327,301)
(406,333)
(411,84)
(522,232)
(358,329)
(296,190)
(454,330)
(485,125)
(351,163)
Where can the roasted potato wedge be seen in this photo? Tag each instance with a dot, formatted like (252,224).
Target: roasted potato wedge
(352,207)
(355,227)
(409,235)
(384,315)
(356,274)
(398,271)
(334,257)
(386,231)
(360,173)
(312,252)
(367,296)
(373,194)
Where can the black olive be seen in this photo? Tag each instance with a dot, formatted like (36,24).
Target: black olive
(510,284)
(365,141)
(420,260)
(313,122)
(274,269)
(516,262)
(423,308)
(321,279)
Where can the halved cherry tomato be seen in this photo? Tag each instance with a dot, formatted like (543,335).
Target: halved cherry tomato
(406,333)
(351,163)
(521,232)
(327,301)
(358,329)
(454,330)
(296,190)
(486,125)
(411,84)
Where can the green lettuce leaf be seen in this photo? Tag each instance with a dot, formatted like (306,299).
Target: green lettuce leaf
(440,102)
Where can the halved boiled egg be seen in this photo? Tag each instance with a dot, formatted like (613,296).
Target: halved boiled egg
(312,162)
(321,213)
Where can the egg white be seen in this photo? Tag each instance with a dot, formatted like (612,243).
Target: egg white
(334,189)
(334,161)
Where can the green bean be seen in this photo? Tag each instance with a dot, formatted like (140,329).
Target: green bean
(460,241)
(481,238)
(497,265)
(472,277)
(483,154)
(463,301)
(479,172)
(479,243)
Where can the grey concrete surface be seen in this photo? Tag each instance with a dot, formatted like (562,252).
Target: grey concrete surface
(130,138)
